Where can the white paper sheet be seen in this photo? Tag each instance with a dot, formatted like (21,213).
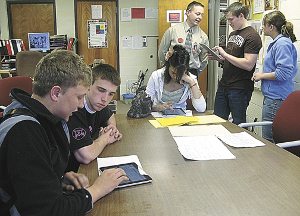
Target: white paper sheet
(238,140)
(203,148)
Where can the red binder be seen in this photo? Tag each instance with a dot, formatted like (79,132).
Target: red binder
(71,40)
(7,43)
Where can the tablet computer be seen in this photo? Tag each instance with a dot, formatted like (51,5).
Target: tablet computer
(177,111)
(210,51)
(132,172)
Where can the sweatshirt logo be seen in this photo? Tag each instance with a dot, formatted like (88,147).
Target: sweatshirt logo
(78,133)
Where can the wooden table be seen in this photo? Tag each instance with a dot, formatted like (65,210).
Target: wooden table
(260,181)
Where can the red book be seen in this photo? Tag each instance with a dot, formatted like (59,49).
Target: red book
(8,47)
(71,40)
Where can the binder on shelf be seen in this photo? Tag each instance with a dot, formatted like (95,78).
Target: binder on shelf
(14,46)
(1,48)
(71,40)
(8,47)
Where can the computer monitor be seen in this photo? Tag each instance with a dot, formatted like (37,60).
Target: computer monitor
(39,41)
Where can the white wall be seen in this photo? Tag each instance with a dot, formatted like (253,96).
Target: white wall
(65,17)
(4,33)
(132,61)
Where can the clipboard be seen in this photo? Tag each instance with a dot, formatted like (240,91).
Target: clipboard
(211,51)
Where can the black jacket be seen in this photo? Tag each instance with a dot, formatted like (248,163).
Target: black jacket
(33,157)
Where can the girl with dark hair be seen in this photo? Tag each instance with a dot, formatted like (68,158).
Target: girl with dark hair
(279,69)
(170,86)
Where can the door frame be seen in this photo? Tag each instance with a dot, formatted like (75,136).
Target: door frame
(9,13)
(117,32)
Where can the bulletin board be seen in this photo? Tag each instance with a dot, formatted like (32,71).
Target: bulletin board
(97,34)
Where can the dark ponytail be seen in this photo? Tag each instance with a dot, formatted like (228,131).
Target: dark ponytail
(277,19)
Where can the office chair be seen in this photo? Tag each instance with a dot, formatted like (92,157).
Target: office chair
(6,84)
(286,124)
(26,62)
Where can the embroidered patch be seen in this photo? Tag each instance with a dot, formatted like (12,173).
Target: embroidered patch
(78,133)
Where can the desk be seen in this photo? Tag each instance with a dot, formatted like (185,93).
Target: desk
(261,181)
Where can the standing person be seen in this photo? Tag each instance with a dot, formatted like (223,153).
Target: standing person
(190,35)
(95,118)
(279,69)
(239,60)
(34,144)
(170,86)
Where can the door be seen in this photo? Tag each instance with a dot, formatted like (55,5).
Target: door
(109,54)
(23,22)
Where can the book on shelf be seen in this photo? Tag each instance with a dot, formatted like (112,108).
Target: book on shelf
(11,46)
(7,43)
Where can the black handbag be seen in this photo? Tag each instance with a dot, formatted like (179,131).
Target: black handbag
(141,105)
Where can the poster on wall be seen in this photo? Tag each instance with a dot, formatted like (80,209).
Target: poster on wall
(259,6)
(174,16)
(97,34)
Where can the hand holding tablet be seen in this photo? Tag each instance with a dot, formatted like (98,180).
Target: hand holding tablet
(211,51)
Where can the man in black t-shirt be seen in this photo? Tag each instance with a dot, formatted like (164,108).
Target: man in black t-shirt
(95,120)
(239,60)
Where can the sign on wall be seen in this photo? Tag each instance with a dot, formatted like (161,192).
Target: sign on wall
(97,34)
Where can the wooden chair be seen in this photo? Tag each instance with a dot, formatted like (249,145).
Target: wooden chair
(26,62)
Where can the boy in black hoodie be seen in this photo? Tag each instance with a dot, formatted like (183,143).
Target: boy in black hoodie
(34,144)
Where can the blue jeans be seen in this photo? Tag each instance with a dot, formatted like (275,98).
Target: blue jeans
(270,107)
(234,101)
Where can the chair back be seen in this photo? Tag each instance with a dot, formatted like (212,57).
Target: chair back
(26,62)
(286,124)
(6,84)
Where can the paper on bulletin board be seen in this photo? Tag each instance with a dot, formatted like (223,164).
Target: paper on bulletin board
(125,14)
(259,6)
(96,11)
(137,42)
(97,34)
(151,13)
(126,42)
